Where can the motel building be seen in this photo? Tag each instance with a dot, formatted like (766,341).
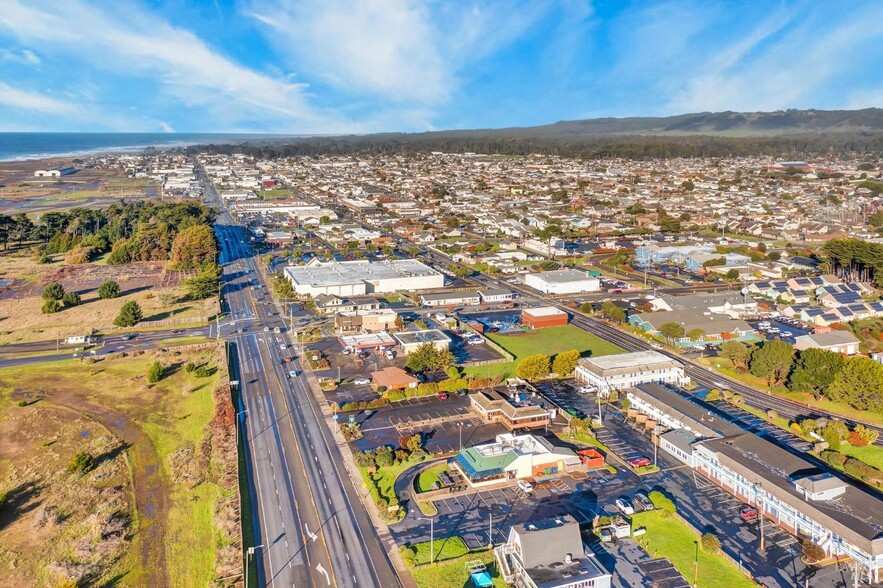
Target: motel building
(624,370)
(807,499)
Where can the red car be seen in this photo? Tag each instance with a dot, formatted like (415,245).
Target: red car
(639,462)
(442,395)
(748,513)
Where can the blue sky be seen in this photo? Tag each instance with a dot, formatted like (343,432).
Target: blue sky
(332,66)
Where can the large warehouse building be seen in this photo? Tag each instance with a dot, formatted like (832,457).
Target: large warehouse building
(353,278)
(565,281)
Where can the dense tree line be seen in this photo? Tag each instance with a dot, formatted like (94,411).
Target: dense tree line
(548,142)
(856,381)
(854,259)
(132,231)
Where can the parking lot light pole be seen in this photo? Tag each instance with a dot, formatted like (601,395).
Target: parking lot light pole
(696,566)
(431,538)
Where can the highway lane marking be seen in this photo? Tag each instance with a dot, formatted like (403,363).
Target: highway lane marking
(312,535)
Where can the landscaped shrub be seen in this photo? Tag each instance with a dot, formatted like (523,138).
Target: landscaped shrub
(427,389)
(835,458)
(710,542)
(662,502)
(395,395)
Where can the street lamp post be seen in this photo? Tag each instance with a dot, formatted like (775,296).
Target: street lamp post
(696,566)
(238,425)
(431,538)
(250,552)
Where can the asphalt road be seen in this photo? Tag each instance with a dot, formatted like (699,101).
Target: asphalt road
(310,526)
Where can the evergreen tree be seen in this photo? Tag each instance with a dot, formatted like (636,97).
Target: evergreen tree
(129,316)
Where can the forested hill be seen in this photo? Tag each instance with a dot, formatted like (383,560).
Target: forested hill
(794,133)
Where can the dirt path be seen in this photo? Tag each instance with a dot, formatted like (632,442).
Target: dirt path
(151,494)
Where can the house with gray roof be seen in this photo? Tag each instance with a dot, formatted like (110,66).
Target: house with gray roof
(549,553)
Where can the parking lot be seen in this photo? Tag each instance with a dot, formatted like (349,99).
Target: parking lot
(447,425)
(761,427)
(783,328)
(565,395)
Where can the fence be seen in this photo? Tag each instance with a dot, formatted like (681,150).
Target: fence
(171,322)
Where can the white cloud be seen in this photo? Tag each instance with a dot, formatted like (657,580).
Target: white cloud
(133,42)
(778,65)
(166,127)
(34,101)
(24,57)
(405,51)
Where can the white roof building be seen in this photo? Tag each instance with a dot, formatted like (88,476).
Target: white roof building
(625,370)
(352,278)
(565,281)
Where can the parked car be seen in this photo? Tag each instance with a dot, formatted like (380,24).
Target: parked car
(525,486)
(639,462)
(642,501)
(462,392)
(390,354)
(748,513)
(624,506)
(361,381)
(442,395)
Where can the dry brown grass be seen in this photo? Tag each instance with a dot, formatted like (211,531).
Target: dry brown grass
(59,525)
(21,318)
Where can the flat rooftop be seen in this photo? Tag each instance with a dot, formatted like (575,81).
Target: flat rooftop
(416,337)
(335,273)
(636,359)
(544,311)
(564,276)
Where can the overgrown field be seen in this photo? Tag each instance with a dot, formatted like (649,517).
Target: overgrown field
(21,319)
(172,469)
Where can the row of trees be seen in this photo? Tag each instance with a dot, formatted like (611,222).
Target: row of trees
(538,366)
(856,381)
(855,259)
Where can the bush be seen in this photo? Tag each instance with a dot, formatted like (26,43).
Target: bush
(82,463)
(450,385)
(395,395)
(812,552)
(835,458)
(189,367)
(51,306)
(796,429)
(154,372)
(713,395)
(53,291)
(662,502)
(427,389)
(710,542)
(381,389)
(832,437)
(71,299)
(109,289)
(203,371)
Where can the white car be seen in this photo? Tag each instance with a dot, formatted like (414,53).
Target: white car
(656,346)
(525,486)
(361,381)
(292,374)
(283,347)
(625,506)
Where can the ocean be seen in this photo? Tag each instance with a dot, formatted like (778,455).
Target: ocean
(18,146)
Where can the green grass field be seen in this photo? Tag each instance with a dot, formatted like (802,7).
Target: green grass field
(554,340)
(449,569)
(549,341)
(671,538)
(870,454)
(429,477)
